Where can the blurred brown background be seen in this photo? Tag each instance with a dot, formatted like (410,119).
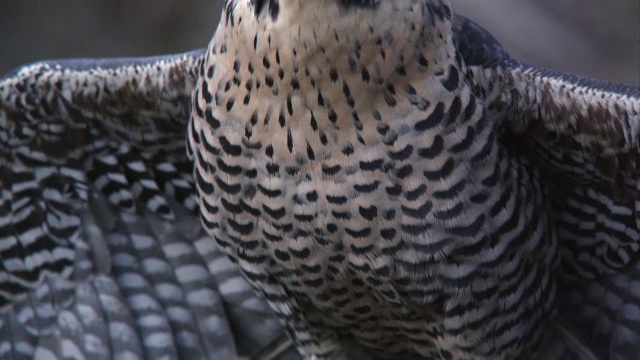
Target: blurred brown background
(600,38)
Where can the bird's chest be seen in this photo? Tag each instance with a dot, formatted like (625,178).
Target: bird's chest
(321,207)
(407,209)
(374,201)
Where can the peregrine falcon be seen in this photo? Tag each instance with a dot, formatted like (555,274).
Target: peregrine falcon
(383,178)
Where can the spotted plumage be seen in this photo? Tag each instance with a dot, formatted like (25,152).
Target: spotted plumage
(378,191)
(382,174)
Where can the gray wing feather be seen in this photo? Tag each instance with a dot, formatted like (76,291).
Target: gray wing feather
(102,255)
(583,135)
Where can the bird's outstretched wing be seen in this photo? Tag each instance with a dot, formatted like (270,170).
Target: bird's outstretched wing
(101,252)
(584,136)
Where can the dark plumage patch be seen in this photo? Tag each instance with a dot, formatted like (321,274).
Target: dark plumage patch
(476,45)
(452,80)
(258,5)
(432,120)
(388,234)
(273,6)
(420,212)
(229,9)
(362,4)
(274,9)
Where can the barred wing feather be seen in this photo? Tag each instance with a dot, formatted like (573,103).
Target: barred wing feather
(583,135)
(102,254)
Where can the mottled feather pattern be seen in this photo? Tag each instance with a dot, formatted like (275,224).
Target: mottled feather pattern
(594,143)
(343,188)
(381,173)
(605,313)
(102,254)
(583,135)
(51,132)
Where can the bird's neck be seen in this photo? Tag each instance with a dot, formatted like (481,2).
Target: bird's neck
(346,74)
(304,35)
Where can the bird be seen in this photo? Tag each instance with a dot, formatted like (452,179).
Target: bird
(367,176)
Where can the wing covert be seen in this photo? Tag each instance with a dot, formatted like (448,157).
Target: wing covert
(583,134)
